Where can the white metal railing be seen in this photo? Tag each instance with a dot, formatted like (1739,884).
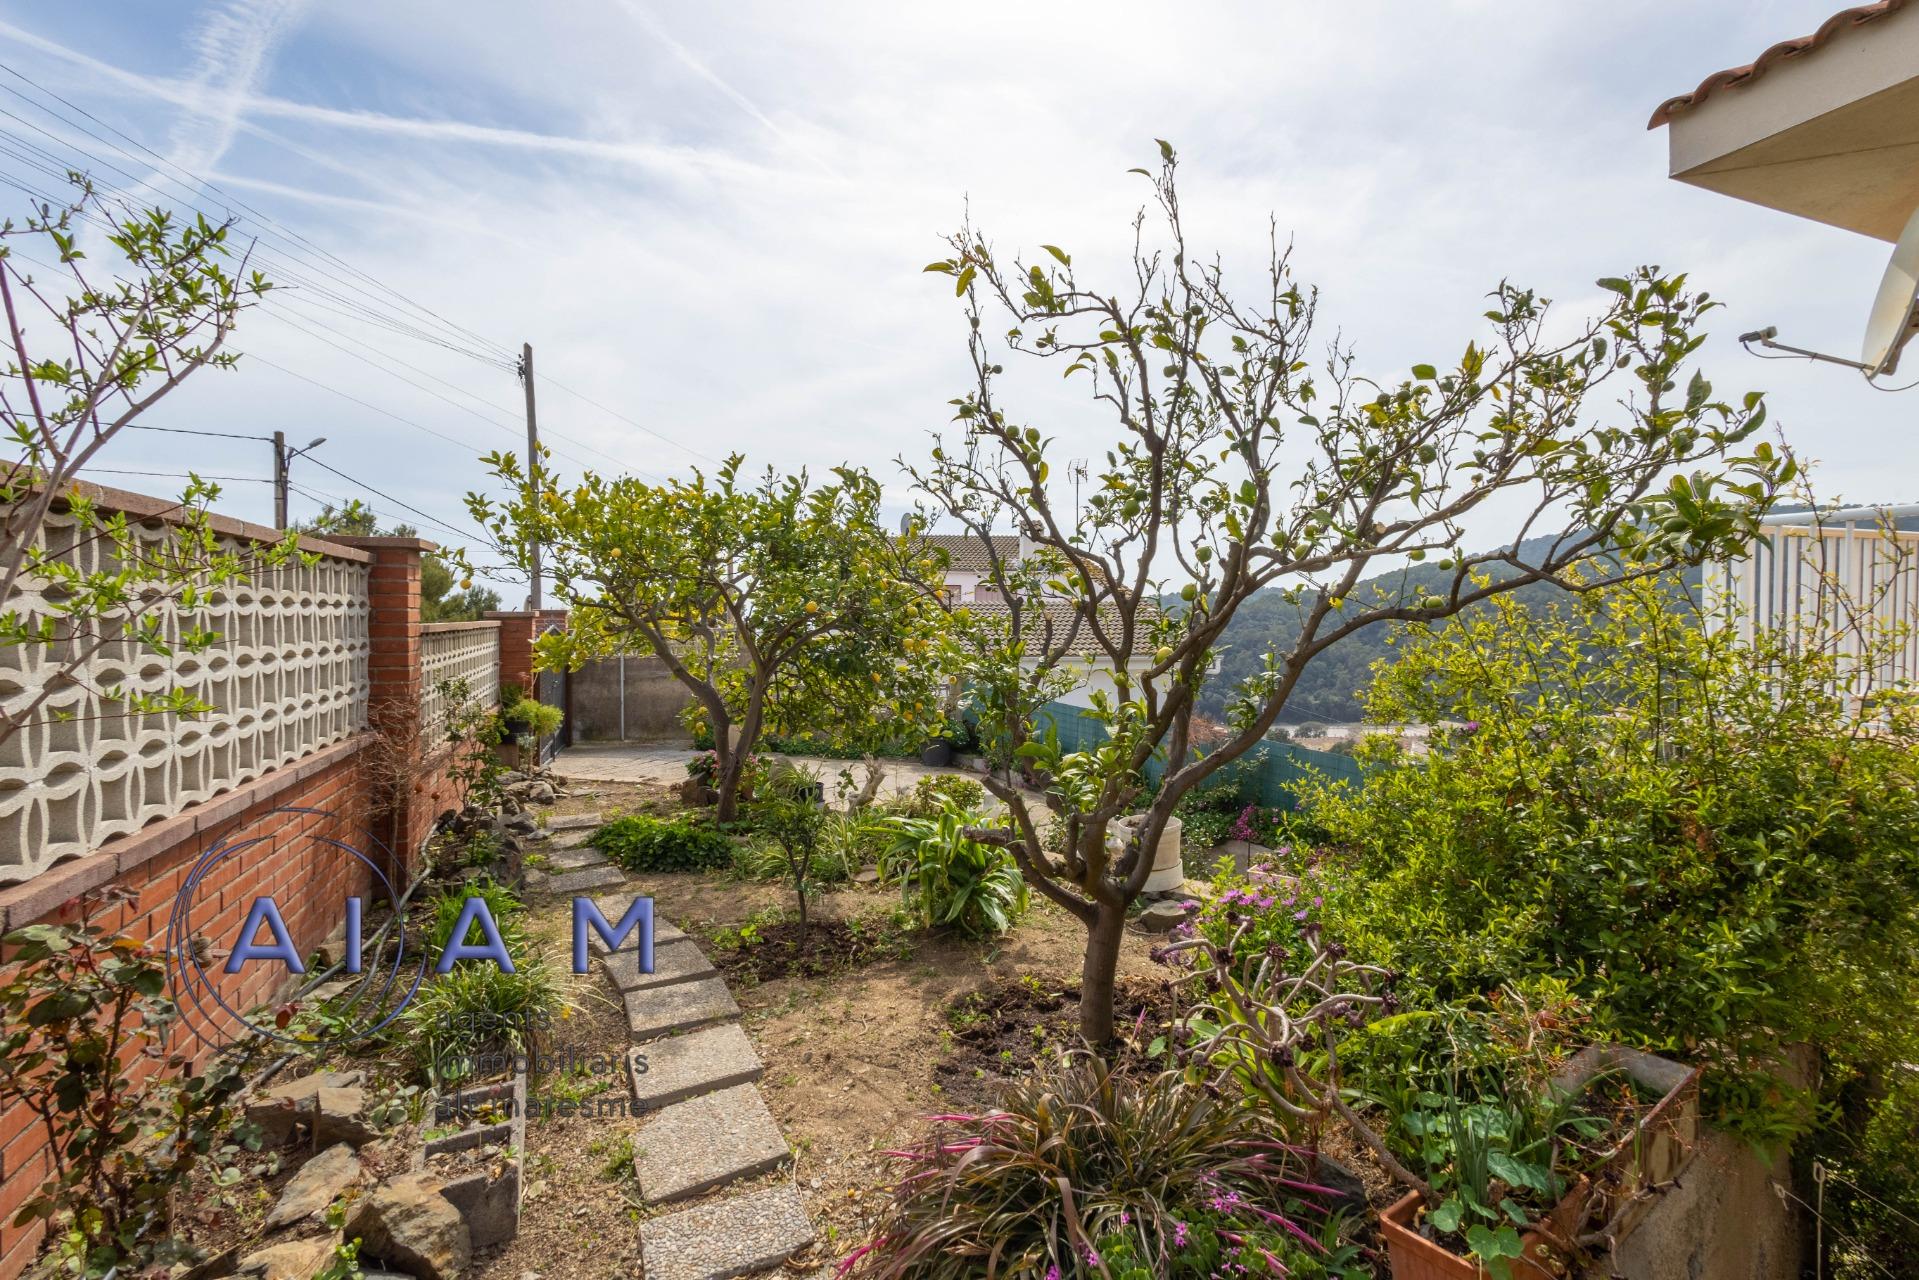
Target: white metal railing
(287,677)
(1849,581)
(453,653)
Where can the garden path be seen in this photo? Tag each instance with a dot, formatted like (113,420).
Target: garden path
(695,1075)
(665,764)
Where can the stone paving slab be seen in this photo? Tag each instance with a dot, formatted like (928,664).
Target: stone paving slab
(673,963)
(613,907)
(574,822)
(660,1010)
(722,1239)
(706,1142)
(681,1067)
(574,859)
(574,881)
(571,839)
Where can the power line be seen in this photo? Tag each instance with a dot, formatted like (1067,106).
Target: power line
(172,475)
(581,395)
(189,431)
(464,533)
(200,182)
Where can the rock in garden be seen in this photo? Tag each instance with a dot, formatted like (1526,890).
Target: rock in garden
(279,1108)
(541,793)
(294,1260)
(317,1185)
(410,1226)
(339,1115)
(1162,916)
(523,822)
(511,777)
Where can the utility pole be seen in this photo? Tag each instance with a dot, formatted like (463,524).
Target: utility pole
(532,456)
(282,462)
(279,479)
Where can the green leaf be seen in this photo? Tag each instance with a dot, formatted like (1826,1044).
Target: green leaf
(1059,253)
(1425,372)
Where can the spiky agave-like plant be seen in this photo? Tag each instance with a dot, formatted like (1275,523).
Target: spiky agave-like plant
(1077,1155)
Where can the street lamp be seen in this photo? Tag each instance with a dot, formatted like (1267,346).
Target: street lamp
(282,459)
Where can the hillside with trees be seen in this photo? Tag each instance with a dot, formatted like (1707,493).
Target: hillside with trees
(1333,685)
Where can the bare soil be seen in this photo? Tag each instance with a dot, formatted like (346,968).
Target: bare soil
(831,946)
(1001,1032)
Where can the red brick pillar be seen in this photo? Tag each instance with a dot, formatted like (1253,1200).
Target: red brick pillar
(394,668)
(518,631)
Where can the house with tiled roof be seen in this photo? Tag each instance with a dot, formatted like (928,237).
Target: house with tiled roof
(970,585)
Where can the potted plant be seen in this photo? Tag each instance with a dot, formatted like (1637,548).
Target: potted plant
(955,736)
(1517,1180)
(1488,1167)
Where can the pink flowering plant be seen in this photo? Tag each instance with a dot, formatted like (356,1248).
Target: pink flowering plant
(1275,998)
(1085,1174)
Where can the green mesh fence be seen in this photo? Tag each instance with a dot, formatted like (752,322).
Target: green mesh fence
(1266,775)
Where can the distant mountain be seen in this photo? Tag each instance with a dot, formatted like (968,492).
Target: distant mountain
(1331,687)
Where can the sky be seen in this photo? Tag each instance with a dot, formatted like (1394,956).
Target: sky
(710,221)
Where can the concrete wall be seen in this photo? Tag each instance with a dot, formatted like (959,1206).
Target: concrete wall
(626,699)
(1724,1221)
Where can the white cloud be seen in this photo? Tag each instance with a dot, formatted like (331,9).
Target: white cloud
(713,218)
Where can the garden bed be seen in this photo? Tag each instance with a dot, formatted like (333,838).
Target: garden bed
(1000,1033)
(767,951)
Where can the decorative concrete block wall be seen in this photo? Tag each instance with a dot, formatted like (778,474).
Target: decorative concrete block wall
(456,651)
(288,677)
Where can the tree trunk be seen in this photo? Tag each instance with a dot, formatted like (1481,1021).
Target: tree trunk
(727,808)
(799,891)
(1103,940)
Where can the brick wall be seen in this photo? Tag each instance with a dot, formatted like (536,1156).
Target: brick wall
(376,797)
(518,630)
(308,880)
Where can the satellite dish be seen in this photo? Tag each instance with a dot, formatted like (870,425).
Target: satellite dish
(906,523)
(1895,312)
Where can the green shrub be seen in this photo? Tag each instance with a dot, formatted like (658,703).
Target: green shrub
(949,879)
(1704,838)
(1078,1168)
(931,794)
(501,903)
(641,843)
(530,716)
(479,1008)
(1872,1186)
(85,1025)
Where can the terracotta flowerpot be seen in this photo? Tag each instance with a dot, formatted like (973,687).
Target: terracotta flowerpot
(1414,1257)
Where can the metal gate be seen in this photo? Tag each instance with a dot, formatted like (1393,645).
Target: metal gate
(555,690)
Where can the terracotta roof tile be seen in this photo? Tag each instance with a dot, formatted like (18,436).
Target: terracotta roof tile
(967,554)
(1733,77)
(1060,613)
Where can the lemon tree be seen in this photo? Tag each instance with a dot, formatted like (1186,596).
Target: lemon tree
(1244,456)
(781,606)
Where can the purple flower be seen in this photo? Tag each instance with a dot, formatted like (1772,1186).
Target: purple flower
(1124,1217)
(1052,1272)
(1300,914)
(1179,1235)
